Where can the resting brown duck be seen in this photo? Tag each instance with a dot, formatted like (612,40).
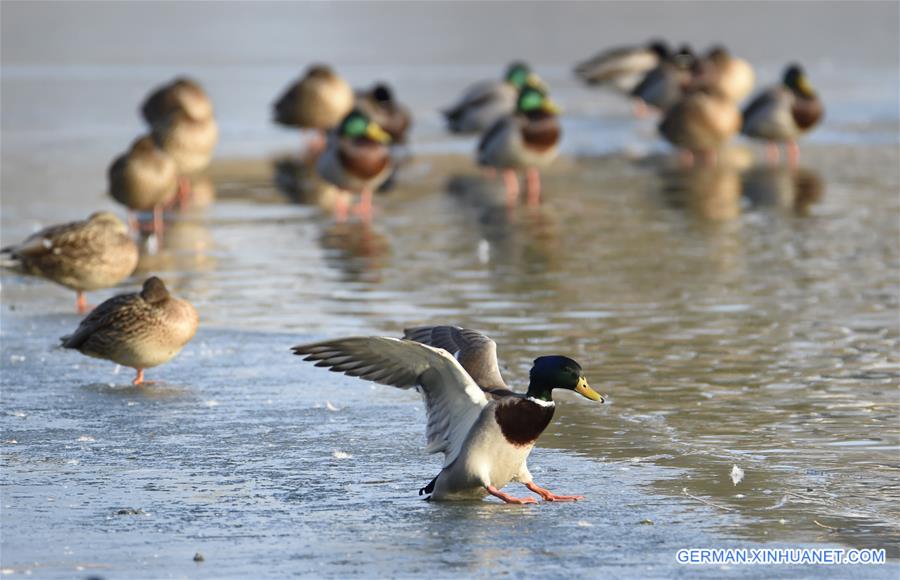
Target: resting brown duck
(139,330)
(144,178)
(84,255)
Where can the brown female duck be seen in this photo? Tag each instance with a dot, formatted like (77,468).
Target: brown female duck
(139,330)
(144,178)
(84,255)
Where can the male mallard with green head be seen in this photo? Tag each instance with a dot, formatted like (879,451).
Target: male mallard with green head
(781,114)
(485,102)
(319,101)
(138,330)
(84,255)
(144,178)
(356,158)
(485,431)
(526,139)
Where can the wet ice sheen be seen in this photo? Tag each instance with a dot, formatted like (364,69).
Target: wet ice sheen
(725,332)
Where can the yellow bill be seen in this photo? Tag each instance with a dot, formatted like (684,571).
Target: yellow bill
(551,107)
(376,133)
(585,390)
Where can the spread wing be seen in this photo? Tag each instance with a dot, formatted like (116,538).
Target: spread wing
(452,399)
(476,352)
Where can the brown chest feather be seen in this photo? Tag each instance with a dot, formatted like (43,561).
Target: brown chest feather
(541,132)
(806,112)
(364,159)
(522,421)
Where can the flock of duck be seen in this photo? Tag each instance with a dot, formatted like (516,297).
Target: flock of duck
(484,429)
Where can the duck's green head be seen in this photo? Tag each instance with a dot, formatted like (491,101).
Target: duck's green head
(518,74)
(558,372)
(534,99)
(796,80)
(357,125)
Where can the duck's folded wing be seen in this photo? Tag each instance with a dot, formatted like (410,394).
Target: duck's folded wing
(452,399)
(476,352)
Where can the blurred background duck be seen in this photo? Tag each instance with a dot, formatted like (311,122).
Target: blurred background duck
(139,330)
(702,121)
(379,104)
(357,158)
(781,114)
(728,75)
(663,86)
(526,139)
(485,102)
(182,122)
(83,255)
(319,101)
(622,68)
(144,178)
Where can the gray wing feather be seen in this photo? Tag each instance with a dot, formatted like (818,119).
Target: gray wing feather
(476,352)
(453,400)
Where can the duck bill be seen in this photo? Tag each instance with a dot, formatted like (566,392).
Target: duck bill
(535,81)
(376,133)
(585,390)
(551,107)
(805,86)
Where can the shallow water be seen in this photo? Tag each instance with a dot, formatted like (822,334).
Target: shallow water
(743,315)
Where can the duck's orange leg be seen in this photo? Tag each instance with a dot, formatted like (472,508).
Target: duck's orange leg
(158,222)
(139,379)
(511,182)
(793,154)
(184,192)
(548,495)
(81,304)
(508,498)
(533,184)
(364,207)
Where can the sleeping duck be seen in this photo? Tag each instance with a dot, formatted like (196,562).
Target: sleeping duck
(702,121)
(729,75)
(356,158)
(663,86)
(180,115)
(144,178)
(139,330)
(623,67)
(379,104)
(526,139)
(318,101)
(484,430)
(84,255)
(782,113)
(485,102)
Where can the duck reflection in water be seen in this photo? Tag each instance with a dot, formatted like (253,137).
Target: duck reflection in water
(519,236)
(357,249)
(790,188)
(302,185)
(722,192)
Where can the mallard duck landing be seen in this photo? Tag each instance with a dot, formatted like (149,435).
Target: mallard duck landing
(485,431)
(356,158)
(484,103)
(783,113)
(144,178)
(139,330)
(319,101)
(84,255)
(623,67)
(527,139)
